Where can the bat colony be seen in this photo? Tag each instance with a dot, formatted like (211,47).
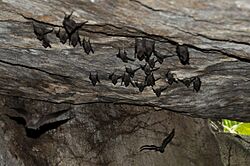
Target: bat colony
(144,50)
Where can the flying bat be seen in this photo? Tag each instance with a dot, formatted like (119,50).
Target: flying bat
(35,122)
(161,148)
(183,54)
(94,78)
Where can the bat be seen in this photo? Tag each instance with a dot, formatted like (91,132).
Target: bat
(140,85)
(147,70)
(87,46)
(160,57)
(152,62)
(41,31)
(126,79)
(114,78)
(123,56)
(131,72)
(186,81)
(71,27)
(94,78)
(41,34)
(159,90)
(149,49)
(35,122)
(183,54)
(170,77)
(62,35)
(150,80)
(161,148)
(196,83)
(140,49)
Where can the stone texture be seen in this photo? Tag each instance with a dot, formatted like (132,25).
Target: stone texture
(112,122)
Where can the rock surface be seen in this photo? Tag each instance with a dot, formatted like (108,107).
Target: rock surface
(112,122)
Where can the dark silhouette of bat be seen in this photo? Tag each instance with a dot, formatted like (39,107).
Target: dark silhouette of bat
(196,83)
(186,81)
(183,54)
(94,78)
(46,42)
(161,148)
(149,49)
(159,90)
(152,62)
(160,57)
(62,35)
(140,85)
(170,78)
(41,31)
(147,70)
(41,34)
(87,46)
(114,78)
(72,28)
(131,72)
(123,56)
(126,79)
(36,125)
(140,49)
(75,38)
(150,80)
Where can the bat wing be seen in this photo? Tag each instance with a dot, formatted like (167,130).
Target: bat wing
(168,139)
(52,117)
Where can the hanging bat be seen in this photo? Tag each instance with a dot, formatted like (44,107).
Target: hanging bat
(41,34)
(35,122)
(140,85)
(183,54)
(161,148)
(149,49)
(196,83)
(152,62)
(147,70)
(170,77)
(159,90)
(123,56)
(41,31)
(160,57)
(186,81)
(114,78)
(87,46)
(150,80)
(131,72)
(72,28)
(62,35)
(126,79)
(140,48)
(94,78)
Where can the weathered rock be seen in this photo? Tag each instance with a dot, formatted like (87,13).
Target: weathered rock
(112,122)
